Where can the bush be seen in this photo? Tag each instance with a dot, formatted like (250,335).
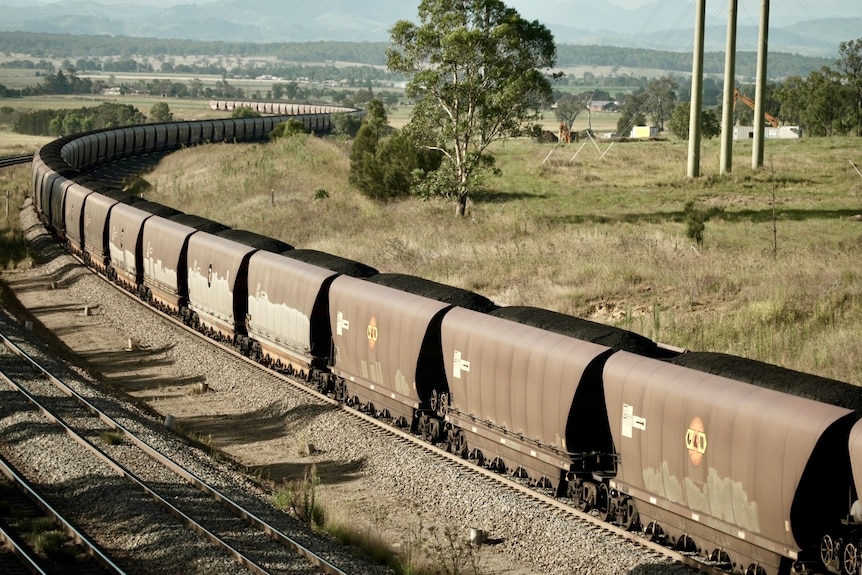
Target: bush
(161,112)
(389,168)
(344,124)
(287,129)
(300,498)
(244,112)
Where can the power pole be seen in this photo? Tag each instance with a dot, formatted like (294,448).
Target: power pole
(696,93)
(760,86)
(729,85)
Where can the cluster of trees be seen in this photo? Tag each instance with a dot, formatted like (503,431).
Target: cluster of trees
(780,64)
(27,64)
(60,122)
(108,65)
(826,102)
(61,83)
(386,164)
(44,45)
(374,53)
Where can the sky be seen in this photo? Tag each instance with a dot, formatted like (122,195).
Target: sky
(782,12)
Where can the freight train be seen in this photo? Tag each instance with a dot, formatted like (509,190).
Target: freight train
(753,467)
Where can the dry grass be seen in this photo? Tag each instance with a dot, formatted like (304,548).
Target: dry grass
(14,187)
(597,237)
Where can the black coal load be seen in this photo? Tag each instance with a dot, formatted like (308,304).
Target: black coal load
(327,261)
(255,240)
(199,223)
(433,290)
(157,209)
(584,329)
(774,377)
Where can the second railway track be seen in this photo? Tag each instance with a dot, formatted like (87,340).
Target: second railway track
(107,503)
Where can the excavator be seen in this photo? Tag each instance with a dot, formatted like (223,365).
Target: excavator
(737,95)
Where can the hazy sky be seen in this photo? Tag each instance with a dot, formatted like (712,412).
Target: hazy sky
(782,12)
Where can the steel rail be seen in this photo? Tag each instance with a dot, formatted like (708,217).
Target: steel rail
(239,511)
(123,471)
(21,552)
(80,538)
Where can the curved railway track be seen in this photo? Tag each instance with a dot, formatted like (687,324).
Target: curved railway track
(551,503)
(111,171)
(171,498)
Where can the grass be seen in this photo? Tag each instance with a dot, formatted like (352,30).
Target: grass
(599,237)
(420,550)
(111,437)
(591,229)
(14,187)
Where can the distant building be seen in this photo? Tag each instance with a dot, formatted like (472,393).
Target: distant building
(603,106)
(770,133)
(644,132)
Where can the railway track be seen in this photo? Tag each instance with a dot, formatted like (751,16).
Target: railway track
(23,507)
(551,503)
(251,541)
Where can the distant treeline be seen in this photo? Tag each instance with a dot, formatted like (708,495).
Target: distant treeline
(780,64)
(60,122)
(71,46)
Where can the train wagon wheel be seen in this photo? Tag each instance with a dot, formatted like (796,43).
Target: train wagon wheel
(827,550)
(630,518)
(655,533)
(686,544)
(603,502)
(755,570)
(720,557)
(851,559)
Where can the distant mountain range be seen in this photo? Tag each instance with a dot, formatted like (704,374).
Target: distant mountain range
(664,25)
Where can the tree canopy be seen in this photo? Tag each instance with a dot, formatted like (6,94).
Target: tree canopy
(474,71)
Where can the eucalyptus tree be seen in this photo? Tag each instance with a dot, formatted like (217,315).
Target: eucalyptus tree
(474,70)
(850,64)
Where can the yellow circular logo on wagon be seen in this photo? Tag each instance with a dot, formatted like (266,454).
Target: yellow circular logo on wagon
(372,333)
(695,441)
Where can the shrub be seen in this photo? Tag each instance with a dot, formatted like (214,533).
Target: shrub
(287,129)
(244,112)
(300,498)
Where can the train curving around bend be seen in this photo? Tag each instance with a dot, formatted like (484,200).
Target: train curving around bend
(754,467)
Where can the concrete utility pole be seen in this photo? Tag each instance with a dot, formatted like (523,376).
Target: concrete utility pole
(729,86)
(760,86)
(696,93)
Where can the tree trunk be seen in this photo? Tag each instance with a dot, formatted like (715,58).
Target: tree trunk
(461,208)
